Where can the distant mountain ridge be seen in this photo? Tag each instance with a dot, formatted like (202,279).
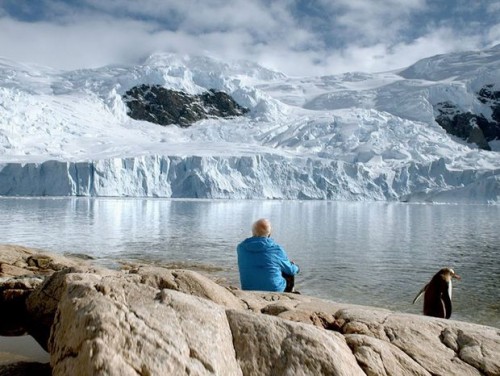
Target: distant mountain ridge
(474,65)
(355,136)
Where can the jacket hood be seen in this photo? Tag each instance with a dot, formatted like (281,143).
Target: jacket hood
(257,244)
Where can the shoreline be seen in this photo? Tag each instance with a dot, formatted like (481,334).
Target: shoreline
(21,349)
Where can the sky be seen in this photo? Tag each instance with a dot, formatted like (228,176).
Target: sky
(296,37)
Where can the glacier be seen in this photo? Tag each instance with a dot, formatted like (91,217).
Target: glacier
(248,177)
(355,136)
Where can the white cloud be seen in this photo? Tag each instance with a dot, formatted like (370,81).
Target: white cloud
(494,35)
(86,44)
(382,57)
(361,35)
(371,22)
(494,6)
(238,30)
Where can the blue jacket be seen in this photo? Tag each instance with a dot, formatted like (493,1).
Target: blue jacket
(261,262)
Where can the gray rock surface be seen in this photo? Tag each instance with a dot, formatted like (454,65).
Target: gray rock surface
(120,326)
(148,320)
(267,345)
(17,260)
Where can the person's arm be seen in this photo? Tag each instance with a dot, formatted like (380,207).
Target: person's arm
(287,266)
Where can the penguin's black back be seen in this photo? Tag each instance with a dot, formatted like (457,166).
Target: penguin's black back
(437,302)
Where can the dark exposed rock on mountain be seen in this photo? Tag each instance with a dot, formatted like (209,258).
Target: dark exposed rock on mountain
(492,98)
(474,128)
(162,106)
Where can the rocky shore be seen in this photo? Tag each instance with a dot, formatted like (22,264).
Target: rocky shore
(155,321)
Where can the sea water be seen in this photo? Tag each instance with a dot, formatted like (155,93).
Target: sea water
(375,254)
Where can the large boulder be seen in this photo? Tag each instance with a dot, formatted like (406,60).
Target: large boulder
(23,272)
(117,325)
(268,345)
(305,336)
(440,346)
(41,305)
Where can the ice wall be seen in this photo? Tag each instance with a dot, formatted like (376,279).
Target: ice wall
(252,177)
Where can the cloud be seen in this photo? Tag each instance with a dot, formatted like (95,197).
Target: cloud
(494,7)
(86,44)
(298,38)
(369,21)
(494,35)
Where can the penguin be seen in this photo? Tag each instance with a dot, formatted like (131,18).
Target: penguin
(437,294)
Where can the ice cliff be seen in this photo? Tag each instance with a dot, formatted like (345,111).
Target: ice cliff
(247,177)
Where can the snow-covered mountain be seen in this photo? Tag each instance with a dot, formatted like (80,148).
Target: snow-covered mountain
(354,136)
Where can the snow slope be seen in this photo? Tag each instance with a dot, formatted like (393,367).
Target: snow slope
(354,136)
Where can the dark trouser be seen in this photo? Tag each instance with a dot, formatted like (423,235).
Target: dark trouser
(290,282)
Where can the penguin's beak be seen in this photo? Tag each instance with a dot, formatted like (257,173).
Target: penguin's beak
(457,276)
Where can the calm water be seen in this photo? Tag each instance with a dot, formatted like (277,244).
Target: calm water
(377,254)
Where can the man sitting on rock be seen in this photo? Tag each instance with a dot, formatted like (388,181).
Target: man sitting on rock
(263,264)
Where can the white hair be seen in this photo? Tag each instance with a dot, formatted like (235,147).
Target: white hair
(261,228)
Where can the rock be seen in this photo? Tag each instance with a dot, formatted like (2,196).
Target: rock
(152,320)
(25,368)
(14,319)
(377,357)
(299,308)
(430,341)
(472,127)
(39,261)
(271,346)
(20,283)
(159,105)
(26,304)
(42,304)
(121,326)
(10,253)
(17,260)
(17,282)
(13,270)
(188,282)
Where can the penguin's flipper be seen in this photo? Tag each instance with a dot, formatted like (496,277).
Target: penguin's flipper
(447,304)
(420,293)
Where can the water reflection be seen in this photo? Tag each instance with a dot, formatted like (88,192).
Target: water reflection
(377,254)
(21,349)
